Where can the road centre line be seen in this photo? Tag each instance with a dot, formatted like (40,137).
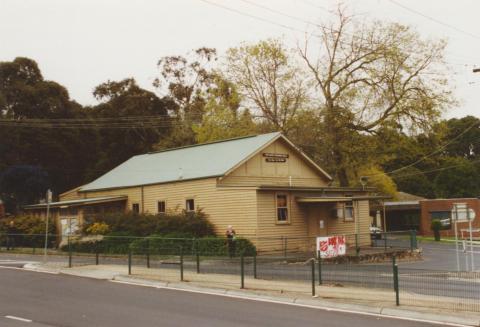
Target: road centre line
(18,318)
(235,296)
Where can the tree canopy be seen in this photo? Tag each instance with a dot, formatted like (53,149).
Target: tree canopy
(363,99)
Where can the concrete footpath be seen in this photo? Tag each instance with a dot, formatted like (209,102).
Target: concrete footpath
(376,302)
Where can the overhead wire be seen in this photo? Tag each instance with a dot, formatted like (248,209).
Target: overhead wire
(289,27)
(434,19)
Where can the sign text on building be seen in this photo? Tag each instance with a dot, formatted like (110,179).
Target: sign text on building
(275,157)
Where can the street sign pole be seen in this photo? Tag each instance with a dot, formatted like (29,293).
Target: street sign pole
(472,264)
(49,199)
(456,237)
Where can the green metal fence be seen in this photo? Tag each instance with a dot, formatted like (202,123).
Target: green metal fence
(179,260)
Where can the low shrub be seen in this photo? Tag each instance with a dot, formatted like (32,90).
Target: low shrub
(98,228)
(169,244)
(27,231)
(208,246)
(194,224)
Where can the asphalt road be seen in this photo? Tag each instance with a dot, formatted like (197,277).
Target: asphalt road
(59,300)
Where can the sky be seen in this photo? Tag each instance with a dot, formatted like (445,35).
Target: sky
(82,43)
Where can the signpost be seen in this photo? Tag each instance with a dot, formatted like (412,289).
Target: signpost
(461,213)
(331,246)
(49,199)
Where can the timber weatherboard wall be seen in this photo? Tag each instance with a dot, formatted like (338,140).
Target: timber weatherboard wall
(223,205)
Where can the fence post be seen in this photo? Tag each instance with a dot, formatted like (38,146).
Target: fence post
(385,241)
(319,269)
(284,247)
(69,253)
(129,261)
(181,264)
(96,254)
(357,248)
(242,271)
(395,281)
(255,265)
(198,259)
(413,239)
(312,262)
(148,253)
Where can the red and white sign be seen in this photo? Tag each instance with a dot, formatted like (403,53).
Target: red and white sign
(331,246)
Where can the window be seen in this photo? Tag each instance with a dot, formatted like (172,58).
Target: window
(444,217)
(135,207)
(348,211)
(161,207)
(345,211)
(282,208)
(190,205)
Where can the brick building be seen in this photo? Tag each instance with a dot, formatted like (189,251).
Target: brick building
(441,209)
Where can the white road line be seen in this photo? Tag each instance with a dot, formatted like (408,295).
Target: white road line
(32,270)
(293,304)
(18,318)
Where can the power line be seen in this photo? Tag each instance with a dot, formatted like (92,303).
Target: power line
(271,22)
(142,122)
(279,12)
(435,170)
(253,16)
(314,5)
(434,19)
(430,154)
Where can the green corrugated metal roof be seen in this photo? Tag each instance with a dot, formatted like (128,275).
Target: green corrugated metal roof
(191,162)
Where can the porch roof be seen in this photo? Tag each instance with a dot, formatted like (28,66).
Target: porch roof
(74,203)
(325,199)
(333,199)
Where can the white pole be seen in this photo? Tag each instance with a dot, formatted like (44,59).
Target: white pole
(49,198)
(465,250)
(456,237)
(472,264)
(384,218)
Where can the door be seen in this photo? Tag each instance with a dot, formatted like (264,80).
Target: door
(317,220)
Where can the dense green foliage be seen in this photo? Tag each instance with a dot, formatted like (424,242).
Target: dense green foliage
(170,233)
(28,231)
(160,244)
(185,224)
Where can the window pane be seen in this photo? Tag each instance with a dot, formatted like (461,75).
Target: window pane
(348,213)
(281,201)
(161,206)
(349,210)
(190,205)
(282,214)
(136,207)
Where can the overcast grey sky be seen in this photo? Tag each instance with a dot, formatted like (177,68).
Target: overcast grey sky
(82,43)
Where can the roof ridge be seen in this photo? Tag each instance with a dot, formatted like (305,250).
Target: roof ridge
(211,142)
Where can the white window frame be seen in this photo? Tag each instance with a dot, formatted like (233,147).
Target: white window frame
(342,211)
(278,221)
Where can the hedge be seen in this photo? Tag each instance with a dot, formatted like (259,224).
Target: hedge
(160,244)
